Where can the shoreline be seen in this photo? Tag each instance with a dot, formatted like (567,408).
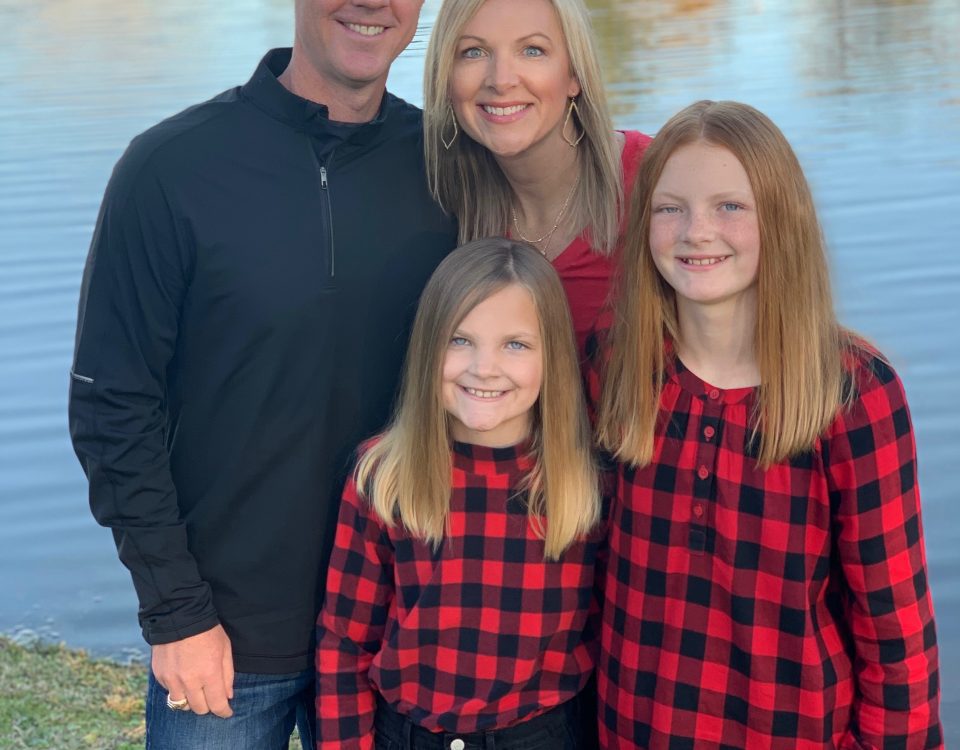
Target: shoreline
(55,696)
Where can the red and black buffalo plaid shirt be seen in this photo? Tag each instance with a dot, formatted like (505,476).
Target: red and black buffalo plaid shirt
(481,633)
(785,608)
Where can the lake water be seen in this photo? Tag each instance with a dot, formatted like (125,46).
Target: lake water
(868,91)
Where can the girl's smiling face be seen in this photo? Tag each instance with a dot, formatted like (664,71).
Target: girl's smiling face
(493,369)
(511,77)
(704,230)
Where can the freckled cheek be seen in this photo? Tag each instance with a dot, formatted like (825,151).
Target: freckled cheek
(663,237)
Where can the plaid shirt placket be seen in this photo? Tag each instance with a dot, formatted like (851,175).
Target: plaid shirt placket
(479,634)
(728,613)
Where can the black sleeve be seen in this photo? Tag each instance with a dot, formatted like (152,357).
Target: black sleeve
(134,283)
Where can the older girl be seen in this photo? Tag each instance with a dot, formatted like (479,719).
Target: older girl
(767,585)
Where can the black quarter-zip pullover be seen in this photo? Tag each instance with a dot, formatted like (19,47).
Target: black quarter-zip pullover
(243,318)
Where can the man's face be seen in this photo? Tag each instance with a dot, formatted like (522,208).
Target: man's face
(351,43)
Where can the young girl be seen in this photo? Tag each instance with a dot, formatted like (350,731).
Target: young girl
(767,586)
(462,574)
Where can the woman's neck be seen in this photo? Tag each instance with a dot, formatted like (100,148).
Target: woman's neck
(541,176)
(717,342)
(543,179)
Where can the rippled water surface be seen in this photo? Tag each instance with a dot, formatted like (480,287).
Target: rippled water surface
(868,91)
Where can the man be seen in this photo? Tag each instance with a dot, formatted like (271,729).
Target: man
(243,317)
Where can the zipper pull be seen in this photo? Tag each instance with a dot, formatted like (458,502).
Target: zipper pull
(323,177)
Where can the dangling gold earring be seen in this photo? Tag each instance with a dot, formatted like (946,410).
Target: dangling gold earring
(447,144)
(563,132)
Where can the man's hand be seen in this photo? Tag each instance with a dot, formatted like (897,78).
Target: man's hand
(198,668)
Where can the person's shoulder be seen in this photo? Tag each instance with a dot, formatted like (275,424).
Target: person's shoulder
(635,139)
(183,135)
(404,111)
(635,143)
(634,146)
(872,391)
(402,119)
(865,367)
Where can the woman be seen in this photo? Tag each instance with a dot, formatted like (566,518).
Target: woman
(519,141)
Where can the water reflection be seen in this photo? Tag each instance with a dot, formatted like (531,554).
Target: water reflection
(867,90)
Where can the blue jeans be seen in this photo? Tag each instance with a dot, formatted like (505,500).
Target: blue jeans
(265,709)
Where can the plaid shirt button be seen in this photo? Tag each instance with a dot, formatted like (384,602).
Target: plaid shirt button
(698,510)
(714,394)
(703,472)
(457,744)
(709,432)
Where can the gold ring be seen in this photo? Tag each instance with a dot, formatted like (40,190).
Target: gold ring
(180,705)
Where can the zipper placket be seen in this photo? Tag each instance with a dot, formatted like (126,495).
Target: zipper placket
(325,197)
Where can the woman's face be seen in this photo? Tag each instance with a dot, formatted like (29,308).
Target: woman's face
(511,77)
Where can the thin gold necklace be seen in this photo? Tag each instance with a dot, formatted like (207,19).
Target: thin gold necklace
(549,235)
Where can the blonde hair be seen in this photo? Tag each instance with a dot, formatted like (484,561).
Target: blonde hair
(466,178)
(799,344)
(406,474)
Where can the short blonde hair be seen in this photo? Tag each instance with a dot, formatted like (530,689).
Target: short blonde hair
(466,178)
(799,343)
(406,474)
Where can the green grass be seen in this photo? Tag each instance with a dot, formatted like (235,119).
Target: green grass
(55,697)
(52,697)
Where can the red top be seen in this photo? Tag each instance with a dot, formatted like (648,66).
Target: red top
(482,633)
(785,608)
(586,274)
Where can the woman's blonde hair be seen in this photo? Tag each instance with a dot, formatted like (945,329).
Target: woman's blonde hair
(406,474)
(799,344)
(466,179)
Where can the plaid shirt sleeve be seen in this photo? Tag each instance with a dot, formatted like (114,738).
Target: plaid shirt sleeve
(872,475)
(351,625)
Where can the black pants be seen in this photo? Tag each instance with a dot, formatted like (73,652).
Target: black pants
(557,729)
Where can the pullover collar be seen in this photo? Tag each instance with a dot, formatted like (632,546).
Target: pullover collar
(689,381)
(265,91)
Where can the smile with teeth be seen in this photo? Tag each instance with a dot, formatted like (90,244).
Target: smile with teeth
(502,111)
(477,393)
(703,261)
(365,30)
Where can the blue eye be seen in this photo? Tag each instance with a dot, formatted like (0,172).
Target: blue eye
(517,346)
(666,210)
(532,51)
(472,53)
(458,341)
(731,207)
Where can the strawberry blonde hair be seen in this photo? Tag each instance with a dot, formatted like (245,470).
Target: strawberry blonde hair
(799,344)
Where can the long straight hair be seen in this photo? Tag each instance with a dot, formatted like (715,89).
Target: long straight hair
(799,344)
(466,179)
(406,474)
